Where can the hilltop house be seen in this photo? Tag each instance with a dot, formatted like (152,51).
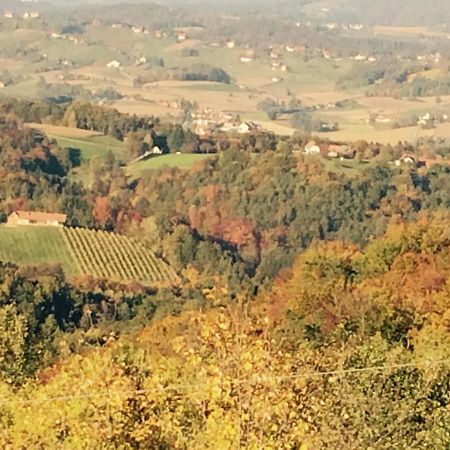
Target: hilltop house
(36,218)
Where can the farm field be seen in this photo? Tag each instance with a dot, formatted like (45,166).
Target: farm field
(96,146)
(84,252)
(90,143)
(63,132)
(183,161)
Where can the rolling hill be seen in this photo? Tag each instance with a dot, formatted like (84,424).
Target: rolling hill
(84,252)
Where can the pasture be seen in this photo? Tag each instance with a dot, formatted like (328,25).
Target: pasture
(90,143)
(182,161)
(95,146)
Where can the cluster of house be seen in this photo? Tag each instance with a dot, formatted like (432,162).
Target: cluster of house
(431,120)
(26,15)
(69,37)
(114,64)
(345,27)
(363,58)
(36,218)
(341,151)
(207,122)
(409,159)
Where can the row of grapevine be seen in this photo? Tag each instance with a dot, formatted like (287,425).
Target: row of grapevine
(115,257)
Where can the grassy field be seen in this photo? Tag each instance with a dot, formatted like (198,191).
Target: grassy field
(94,146)
(36,246)
(183,161)
(90,143)
(63,132)
(83,252)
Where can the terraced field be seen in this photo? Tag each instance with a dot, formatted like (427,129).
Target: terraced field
(81,251)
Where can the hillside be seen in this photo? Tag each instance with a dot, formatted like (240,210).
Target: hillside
(84,252)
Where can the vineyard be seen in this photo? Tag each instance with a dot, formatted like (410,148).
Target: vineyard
(115,257)
(84,252)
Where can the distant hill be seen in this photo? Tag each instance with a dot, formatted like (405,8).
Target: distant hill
(381,12)
(84,252)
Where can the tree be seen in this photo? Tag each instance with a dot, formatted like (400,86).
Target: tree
(13,335)
(175,139)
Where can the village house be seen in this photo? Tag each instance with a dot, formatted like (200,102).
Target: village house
(8,15)
(247,127)
(246,59)
(2,84)
(340,151)
(113,64)
(181,35)
(36,218)
(202,130)
(276,65)
(141,60)
(231,44)
(311,148)
(409,159)
(31,15)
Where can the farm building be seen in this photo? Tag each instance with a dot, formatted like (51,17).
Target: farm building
(36,218)
(248,127)
(113,64)
(341,151)
(311,148)
(410,159)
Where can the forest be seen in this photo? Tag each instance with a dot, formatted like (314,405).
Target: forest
(311,309)
(347,349)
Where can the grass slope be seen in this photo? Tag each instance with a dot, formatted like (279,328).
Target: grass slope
(84,252)
(94,146)
(183,161)
(36,246)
